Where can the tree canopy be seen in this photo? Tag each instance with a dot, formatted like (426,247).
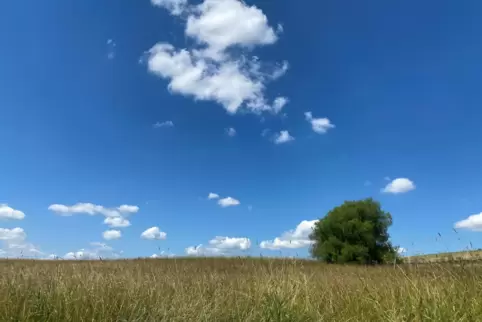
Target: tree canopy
(356,231)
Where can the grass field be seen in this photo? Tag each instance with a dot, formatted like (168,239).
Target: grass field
(231,289)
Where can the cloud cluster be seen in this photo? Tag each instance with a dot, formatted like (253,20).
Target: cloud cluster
(14,244)
(220,246)
(216,68)
(296,238)
(224,202)
(115,217)
(95,252)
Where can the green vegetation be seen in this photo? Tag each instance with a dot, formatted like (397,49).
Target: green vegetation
(355,232)
(228,289)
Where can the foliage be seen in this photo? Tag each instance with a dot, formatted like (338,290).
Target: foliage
(355,232)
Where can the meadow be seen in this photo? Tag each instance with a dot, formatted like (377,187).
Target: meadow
(237,289)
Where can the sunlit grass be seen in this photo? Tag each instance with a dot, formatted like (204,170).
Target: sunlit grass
(230,289)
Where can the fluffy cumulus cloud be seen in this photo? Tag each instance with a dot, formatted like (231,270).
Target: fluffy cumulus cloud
(111,234)
(117,222)
(212,70)
(283,137)
(228,202)
(220,246)
(399,185)
(7,212)
(473,222)
(15,234)
(296,238)
(213,195)
(319,125)
(153,233)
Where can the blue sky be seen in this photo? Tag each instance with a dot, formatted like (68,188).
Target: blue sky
(154,105)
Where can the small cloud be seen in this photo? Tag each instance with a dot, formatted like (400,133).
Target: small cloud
(283,137)
(230,131)
(153,233)
(111,45)
(319,125)
(111,234)
(117,222)
(228,202)
(401,250)
(367,183)
(220,246)
(473,222)
(158,125)
(279,103)
(7,212)
(265,132)
(386,178)
(213,195)
(399,185)
(250,207)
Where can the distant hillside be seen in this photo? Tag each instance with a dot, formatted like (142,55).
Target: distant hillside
(473,255)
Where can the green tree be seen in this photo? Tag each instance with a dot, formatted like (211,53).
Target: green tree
(356,231)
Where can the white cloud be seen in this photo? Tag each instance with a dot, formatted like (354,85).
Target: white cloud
(220,242)
(211,71)
(230,131)
(91,209)
(163,254)
(220,246)
(279,103)
(7,212)
(128,209)
(228,202)
(399,185)
(200,250)
(111,234)
(319,125)
(111,45)
(117,222)
(401,250)
(15,234)
(213,195)
(158,125)
(14,244)
(283,137)
(297,238)
(97,251)
(176,7)
(473,222)
(153,233)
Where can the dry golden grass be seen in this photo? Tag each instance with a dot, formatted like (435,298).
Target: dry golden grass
(223,289)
